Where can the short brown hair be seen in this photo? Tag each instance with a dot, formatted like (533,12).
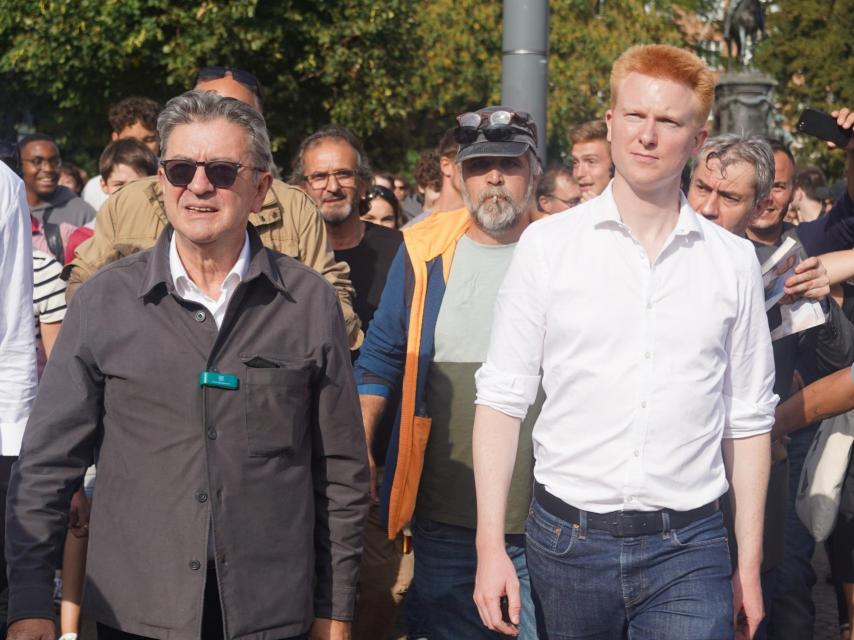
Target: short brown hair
(668,63)
(131,110)
(448,145)
(589,132)
(427,171)
(128,151)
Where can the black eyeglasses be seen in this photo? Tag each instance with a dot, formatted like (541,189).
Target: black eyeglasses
(496,126)
(220,173)
(243,77)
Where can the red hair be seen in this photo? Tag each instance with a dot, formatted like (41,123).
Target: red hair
(668,63)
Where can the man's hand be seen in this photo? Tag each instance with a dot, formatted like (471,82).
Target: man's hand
(747,606)
(326,629)
(496,577)
(810,281)
(32,629)
(845,119)
(78,514)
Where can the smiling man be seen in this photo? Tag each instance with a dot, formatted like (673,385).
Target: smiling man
(219,394)
(656,360)
(49,201)
(591,157)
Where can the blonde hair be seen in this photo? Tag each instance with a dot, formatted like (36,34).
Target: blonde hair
(668,63)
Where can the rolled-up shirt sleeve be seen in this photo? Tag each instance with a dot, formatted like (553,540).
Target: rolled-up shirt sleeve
(749,397)
(509,379)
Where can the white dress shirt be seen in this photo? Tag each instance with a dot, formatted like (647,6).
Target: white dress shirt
(188,290)
(17,338)
(645,367)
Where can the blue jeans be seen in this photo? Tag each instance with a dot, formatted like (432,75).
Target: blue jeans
(439,604)
(589,584)
(792,613)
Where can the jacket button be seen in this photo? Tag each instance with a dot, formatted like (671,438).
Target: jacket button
(200,316)
(202,496)
(212,434)
(195,565)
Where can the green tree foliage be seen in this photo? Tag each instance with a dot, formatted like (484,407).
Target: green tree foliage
(319,60)
(809,52)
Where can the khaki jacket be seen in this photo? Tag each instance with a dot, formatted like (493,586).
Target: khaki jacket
(133,218)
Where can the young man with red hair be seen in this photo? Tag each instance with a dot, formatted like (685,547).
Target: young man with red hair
(656,362)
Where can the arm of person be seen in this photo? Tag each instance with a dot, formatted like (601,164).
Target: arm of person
(494,442)
(339,473)
(835,231)
(749,400)
(373,408)
(382,357)
(315,252)
(58,446)
(17,337)
(824,398)
(49,331)
(507,385)
(839,266)
(748,462)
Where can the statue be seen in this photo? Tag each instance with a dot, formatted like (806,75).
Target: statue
(743,21)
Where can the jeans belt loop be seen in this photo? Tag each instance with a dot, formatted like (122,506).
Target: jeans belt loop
(665,522)
(582,524)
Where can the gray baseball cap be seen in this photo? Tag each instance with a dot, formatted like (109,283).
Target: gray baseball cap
(495,131)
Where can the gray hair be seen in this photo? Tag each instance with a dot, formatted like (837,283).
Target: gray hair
(205,106)
(332,132)
(731,148)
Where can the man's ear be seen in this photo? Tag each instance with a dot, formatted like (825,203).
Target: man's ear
(446,166)
(699,140)
(103,184)
(114,135)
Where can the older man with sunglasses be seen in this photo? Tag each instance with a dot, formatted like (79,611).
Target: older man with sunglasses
(286,220)
(428,337)
(219,396)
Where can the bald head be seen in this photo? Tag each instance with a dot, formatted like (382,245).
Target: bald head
(228,87)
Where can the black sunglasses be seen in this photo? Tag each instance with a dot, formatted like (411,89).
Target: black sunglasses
(220,173)
(243,77)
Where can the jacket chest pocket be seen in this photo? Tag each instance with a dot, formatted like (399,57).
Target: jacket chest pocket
(278,408)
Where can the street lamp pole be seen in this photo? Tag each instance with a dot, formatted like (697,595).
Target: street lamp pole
(524,68)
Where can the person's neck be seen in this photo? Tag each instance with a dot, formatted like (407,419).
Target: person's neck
(808,210)
(768,236)
(208,265)
(650,213)
(346,234)
(36,200)
(449,198)
(509,236)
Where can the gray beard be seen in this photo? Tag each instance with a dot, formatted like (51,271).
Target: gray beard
(496,212)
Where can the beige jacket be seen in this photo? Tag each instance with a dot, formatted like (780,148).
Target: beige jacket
(132,219)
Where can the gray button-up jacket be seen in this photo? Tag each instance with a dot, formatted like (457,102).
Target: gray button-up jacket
(274,470)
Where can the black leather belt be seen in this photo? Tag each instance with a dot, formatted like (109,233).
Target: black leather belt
(622,524)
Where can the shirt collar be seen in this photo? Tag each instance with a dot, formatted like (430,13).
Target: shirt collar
(607,212)
(260,262)
(181,280)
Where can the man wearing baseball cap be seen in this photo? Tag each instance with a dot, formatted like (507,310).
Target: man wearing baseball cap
(429,335)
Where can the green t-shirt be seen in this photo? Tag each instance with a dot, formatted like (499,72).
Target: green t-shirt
(446,493)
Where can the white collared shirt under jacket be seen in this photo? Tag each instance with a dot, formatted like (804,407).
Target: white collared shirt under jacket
(646,367)
(187,289)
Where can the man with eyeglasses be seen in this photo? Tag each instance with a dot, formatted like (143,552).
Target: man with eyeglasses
(428,337)
(332,167)
(219,394)
(49,201)
(287,220)
(558,190)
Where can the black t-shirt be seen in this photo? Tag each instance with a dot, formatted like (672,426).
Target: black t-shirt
(369,263)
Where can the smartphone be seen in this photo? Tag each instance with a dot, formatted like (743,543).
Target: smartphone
(823,126)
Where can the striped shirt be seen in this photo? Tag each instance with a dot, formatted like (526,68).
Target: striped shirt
(48,290)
